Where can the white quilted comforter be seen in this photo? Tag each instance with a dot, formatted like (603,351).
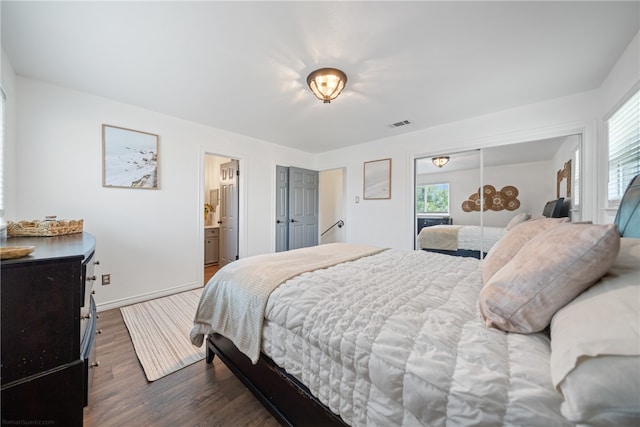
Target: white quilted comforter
(395,339)
(467,237)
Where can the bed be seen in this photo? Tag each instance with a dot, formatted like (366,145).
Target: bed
(374,336)
(474,240)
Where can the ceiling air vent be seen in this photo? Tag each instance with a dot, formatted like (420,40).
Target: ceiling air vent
(402,123)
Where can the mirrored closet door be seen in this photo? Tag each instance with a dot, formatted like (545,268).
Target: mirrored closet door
(466,201)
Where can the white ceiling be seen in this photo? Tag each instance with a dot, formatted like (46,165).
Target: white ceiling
(242,66)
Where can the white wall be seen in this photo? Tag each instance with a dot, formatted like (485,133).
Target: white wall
(332,203)
(622,80)
(7,80)
(150,241)
(534,184)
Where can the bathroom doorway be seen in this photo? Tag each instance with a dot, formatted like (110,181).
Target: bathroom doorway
(221,207)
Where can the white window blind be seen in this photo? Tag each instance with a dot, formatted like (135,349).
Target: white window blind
(624,147)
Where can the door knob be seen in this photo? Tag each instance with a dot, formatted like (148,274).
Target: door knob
(278,221)
(293,220)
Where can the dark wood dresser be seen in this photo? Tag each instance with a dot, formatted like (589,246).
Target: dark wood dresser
(48,326)
(430,221)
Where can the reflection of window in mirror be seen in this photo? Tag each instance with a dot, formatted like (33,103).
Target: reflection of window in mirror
(441,190)
(432,199)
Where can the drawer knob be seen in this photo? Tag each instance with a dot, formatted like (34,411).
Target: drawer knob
(91,278)
(86,316)
(95,364)
(99,331)
(96,262)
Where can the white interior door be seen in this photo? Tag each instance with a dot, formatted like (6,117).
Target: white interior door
(282,208)
(303,208)
(228,212)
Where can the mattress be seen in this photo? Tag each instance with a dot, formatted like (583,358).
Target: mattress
(396,339)
(476,238)
(469,237)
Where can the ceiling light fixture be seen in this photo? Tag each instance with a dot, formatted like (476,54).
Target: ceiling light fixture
(327,83)
(440,161)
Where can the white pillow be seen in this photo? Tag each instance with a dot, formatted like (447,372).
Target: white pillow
(521,217)
(550,270)
(595,347)
(508,246)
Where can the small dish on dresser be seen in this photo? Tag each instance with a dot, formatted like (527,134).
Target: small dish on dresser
(11,252)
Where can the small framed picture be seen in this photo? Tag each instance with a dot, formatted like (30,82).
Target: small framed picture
(377,179)
(129,158)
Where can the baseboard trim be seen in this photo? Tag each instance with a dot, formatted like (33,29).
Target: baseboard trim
(109,305)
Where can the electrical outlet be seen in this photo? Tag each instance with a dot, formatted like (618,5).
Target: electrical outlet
(106,279)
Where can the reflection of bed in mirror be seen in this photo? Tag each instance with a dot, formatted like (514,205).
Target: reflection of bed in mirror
(473,240)
(538,169)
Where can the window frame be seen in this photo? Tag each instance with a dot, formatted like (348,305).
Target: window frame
(626,168)
(434,184)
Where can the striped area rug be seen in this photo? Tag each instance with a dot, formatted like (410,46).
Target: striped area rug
(160,331)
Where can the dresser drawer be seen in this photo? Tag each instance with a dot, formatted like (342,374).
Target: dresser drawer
(88,279)
(88,349)
(211,242)
(39,316)
(50,398)
(430,221)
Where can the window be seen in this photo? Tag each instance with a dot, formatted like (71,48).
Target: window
(432,198)
(624,148)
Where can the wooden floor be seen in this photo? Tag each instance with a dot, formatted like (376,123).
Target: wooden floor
(198,395)
(209,271)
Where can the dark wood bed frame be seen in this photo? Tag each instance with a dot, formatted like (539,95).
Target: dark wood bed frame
(460,252)
(292,403)
(288,400)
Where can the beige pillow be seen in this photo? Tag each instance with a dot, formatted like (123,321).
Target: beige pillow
(595,346)
(509,245)
(548,272)
(521,217)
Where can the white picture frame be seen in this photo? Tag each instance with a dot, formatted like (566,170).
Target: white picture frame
(130,158)
(377,179)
